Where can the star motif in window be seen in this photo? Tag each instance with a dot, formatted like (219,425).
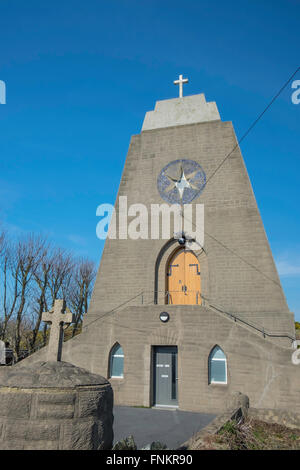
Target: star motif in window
(181,181)
(184,181)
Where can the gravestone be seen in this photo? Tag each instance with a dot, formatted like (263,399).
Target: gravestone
(54,404)
(2,353)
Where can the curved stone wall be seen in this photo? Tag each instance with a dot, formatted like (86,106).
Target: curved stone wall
(70,415)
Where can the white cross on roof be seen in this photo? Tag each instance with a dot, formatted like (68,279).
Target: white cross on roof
(180,82)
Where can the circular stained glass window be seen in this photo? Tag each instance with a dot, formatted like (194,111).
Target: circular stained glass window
(181,181)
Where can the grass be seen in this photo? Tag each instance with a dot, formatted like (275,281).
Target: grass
(252,434)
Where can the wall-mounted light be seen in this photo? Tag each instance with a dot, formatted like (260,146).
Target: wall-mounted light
(164,317)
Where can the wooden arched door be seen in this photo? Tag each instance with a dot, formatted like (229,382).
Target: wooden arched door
(183,279)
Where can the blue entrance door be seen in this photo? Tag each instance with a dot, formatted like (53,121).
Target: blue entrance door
(165,375)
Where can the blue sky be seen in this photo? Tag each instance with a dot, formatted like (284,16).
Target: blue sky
(81,75)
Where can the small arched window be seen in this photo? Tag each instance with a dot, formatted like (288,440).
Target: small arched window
(116,363)
(217,366)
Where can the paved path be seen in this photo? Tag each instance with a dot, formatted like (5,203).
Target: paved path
(171,427)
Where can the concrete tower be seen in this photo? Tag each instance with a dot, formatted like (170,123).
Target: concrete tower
(178,327)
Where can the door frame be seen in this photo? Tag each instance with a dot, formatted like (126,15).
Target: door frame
(153,376)
(170,257)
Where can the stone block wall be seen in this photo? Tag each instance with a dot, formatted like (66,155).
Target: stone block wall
(56,418)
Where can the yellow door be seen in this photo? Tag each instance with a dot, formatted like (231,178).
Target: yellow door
(184,279)
(175,280)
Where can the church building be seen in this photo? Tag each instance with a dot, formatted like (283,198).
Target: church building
(178,323)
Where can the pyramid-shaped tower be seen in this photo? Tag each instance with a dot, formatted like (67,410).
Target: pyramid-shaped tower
(181,327)
(238,274)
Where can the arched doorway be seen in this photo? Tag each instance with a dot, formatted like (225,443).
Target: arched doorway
(183,279)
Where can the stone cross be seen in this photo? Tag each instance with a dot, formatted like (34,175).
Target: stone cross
(180,82)
(57,318)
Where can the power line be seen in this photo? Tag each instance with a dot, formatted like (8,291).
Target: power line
(253,124)
(113,310)
(243,259)
(233,316)
(230,153)
(234,253)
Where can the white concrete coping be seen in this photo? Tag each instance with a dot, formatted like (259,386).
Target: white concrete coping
(180,111)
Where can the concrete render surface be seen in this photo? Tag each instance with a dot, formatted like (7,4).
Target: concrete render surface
(169,426)
(181,111)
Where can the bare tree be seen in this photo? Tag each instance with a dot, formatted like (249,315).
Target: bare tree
(3,241)
(9,284)
(80,290)
(29,253)
(60,273)
(33,274)
(58,278)
(41,277)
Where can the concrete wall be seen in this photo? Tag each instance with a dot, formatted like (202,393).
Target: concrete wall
(240,272)
(256,366)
